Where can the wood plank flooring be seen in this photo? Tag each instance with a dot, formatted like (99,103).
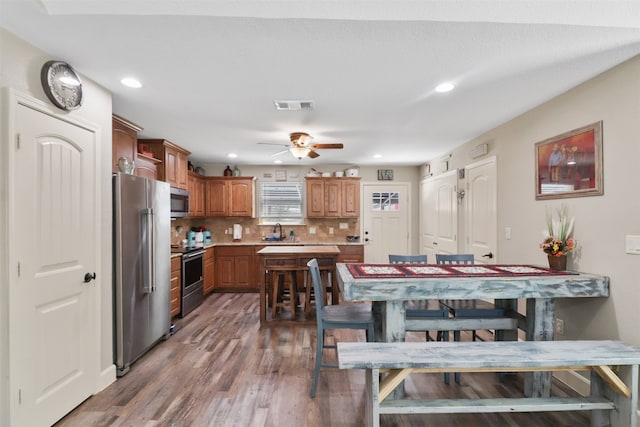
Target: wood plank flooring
(221,369)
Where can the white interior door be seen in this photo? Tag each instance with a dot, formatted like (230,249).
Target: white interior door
(385,221)
(439,215)
(53,313)
(481,211)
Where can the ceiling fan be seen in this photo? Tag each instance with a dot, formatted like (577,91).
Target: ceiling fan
(302,146)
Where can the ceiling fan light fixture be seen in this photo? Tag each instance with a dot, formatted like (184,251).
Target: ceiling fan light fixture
(299,152)
(300,139)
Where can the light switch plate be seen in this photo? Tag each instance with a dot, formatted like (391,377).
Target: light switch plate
(344,225)
(312,230)
(330,230)
(633,244)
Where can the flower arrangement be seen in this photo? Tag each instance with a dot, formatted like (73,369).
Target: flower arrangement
(558,241)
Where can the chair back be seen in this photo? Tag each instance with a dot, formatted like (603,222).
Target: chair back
(317,289)
(407,259)
(454,259)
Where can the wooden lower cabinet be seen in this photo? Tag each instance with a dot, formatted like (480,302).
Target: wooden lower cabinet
(176,278)
(235,269)
(209,270)
(351,253)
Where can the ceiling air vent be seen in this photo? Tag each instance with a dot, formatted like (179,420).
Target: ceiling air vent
(293,105)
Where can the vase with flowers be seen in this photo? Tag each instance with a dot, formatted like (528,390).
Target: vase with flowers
(558,242)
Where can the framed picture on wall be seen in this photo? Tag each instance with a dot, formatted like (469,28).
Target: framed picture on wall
(570,165)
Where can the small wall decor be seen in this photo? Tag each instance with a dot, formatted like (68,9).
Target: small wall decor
(570,164)
(281,175)
(385,174)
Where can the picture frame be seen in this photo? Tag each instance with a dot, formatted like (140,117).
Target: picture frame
(570,164)
(385,174)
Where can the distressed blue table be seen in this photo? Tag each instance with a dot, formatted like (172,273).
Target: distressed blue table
(388,296)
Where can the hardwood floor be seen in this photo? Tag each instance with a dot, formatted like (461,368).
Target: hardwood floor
(221,369)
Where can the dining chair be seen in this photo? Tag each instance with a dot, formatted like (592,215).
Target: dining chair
(342,316)
(423,308)
(471,308)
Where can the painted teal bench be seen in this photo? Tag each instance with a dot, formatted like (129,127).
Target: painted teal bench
(611,400)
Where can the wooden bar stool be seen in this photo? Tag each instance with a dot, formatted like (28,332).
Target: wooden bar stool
(309,292)
(280,297)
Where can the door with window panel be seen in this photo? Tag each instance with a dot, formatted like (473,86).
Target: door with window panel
(385,219)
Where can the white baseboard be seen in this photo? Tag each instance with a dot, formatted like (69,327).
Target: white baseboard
(106,378)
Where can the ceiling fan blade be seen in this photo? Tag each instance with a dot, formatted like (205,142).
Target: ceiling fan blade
(312,154)
(322,146)
(273,143)
(280,152)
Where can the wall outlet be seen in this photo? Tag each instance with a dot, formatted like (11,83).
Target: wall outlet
(507,233)
(344,225)
(559,326)
(330,230)
(312,230)
(247,231)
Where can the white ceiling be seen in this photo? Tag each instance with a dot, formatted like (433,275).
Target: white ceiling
(211,69)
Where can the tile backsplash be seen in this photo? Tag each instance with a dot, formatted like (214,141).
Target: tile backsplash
(252,231)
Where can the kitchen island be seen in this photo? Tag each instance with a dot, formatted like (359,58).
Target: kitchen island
(279,258)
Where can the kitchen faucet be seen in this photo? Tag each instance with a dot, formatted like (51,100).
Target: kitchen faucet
(275,227)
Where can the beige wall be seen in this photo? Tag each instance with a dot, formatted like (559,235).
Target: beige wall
(601,221)
(20,70)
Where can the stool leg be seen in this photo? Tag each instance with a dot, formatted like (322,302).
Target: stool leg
(275,282)
(293,294)
(308,289)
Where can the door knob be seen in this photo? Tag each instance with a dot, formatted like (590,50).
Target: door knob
(489,255)
(89,277)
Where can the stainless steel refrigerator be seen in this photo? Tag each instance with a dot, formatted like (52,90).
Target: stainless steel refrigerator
(142,266)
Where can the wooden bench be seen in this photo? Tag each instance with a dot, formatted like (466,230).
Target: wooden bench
(611,400)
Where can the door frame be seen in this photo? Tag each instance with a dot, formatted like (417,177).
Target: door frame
(410,207)
(10,99)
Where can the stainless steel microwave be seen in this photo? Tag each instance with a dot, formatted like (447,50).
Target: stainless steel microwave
(179,203)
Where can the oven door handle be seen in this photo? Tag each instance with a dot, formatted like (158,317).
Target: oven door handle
(192,254)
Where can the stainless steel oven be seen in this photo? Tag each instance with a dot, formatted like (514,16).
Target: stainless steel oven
(192,281)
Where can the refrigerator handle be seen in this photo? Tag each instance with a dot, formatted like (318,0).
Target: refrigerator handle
(150,285)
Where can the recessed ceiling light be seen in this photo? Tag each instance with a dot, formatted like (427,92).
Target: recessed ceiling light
(131,82)
(445,87)
(377,156)
(232,155)
(277,161)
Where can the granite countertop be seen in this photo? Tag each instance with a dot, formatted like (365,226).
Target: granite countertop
(272,243)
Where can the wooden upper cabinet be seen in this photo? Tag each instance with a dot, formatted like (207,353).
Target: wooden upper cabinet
(315,198)
(230,196)
(350,197)
(333,197)
(124,140)
(241,197)
(215,197)
(147,166)
(195,185)
(174,158)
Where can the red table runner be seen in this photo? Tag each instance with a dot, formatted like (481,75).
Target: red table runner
(391,271)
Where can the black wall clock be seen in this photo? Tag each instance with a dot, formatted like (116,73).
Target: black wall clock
(61,84)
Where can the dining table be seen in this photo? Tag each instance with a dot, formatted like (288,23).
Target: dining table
(389,286)
(293,259)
